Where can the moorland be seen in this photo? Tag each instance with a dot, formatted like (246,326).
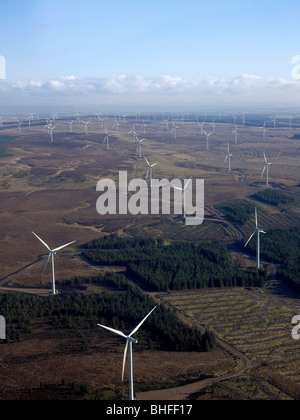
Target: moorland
(235,320)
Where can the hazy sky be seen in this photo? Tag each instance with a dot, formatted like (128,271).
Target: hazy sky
(150,52)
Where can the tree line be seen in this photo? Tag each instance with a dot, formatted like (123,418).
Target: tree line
(177,266)
(282,246)
(124,310)
(238,210)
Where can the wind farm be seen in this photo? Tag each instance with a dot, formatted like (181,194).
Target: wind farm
(55,178)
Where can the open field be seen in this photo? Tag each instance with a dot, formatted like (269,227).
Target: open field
(50,188)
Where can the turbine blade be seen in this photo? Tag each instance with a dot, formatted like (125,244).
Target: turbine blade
(124,359)
(256,222)
(112,330)
(147,161)
(64,246)
(141,323)
(188,183)
(42,242)
(265,157)
(249,239)
(263,171)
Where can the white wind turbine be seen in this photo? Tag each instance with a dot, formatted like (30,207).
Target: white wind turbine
(175,128)
(266,167)
(51,128)
(51,255)
(86,126)
(150,171)
(116,125)
(228,157)
(274,121)
(201,126)
(106,139)
(19,126)
(235,132)
(139,146)
(134,134)
(70,125)
(257,231)
(183,193)
(129,341)
(207,138)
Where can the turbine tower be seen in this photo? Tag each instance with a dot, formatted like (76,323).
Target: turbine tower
(139,146)
(266,167)
(207,138)
(257,231)
(201,126)
(134,134)
(129,341)
(183,193)
(228,157)
(235,132)
(175,128)
(50,131)
(86,126)
(70,125)
(106,139)
(51,255)
(150,171)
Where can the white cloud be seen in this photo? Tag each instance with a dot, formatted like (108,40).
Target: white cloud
(161,91)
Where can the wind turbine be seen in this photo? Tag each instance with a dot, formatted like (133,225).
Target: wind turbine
(116,125)
(106,139)
(175,128)
(228,157)
(235,132)
(207,138)
(257,231)
(129,341)
(134,134)
(139,146)
(201,126)
(183,193)
(86,126)
(150,168)
(70,125)
(19,126)
(266,167)
(274,121)
(50,131)
(51,255)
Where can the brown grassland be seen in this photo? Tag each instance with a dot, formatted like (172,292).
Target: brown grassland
(50,188)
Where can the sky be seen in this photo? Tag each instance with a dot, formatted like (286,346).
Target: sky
(189,54)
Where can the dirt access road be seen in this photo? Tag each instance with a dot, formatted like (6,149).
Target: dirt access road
(182,392)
